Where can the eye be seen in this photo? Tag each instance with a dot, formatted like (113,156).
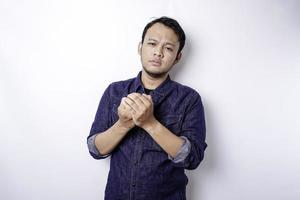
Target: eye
(169,49)
(151,43)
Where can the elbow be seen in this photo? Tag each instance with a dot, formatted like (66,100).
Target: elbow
(95,156)
(98,156)
(196,156)
(93,150)
(194,162)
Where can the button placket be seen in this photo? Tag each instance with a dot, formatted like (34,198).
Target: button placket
(136,155)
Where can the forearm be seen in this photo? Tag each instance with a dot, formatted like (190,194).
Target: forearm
(168,141)
(109,139)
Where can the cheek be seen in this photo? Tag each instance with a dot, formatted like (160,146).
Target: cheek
(170,59)
(146,52)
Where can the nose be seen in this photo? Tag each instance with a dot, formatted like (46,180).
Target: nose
(158,52)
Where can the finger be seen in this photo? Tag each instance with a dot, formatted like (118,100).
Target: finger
(122,104)
(148,97)
(146,100)
(131,104)
(123,101)
(136,97)
(126,107)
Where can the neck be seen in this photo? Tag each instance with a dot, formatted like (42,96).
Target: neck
(150,82)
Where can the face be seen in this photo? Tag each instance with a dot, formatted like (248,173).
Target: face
(159,50)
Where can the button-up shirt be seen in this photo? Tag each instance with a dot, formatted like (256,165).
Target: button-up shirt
(140,168)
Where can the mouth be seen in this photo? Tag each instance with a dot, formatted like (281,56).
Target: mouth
(155,62)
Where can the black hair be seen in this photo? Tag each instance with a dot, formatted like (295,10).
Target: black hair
(171,23)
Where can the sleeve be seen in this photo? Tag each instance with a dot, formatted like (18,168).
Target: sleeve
(93,149)
(183,151)
(193,128)
(100,124)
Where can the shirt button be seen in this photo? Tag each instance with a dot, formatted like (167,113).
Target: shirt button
(135,162)
(133,184)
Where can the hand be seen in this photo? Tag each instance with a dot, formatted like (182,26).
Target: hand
(125,116)
(141,109)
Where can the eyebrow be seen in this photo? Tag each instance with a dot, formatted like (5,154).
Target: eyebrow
(168,43)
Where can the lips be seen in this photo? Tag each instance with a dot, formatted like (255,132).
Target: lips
(155,62)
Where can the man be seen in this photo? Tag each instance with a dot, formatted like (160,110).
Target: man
(152,127)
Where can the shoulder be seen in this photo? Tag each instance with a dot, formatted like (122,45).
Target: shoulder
(184,90)
(118,87)
(188,96)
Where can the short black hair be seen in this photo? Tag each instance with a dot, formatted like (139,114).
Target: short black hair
(171,23)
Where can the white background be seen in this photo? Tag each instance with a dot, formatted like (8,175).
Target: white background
(57,57)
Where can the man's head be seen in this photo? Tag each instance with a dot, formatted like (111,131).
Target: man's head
(161,45)
(171,23)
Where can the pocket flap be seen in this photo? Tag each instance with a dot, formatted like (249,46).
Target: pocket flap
(170,119)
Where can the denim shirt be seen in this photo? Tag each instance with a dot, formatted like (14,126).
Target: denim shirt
(139,167)
(181,154)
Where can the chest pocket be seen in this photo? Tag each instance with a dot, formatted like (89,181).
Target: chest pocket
(172,123)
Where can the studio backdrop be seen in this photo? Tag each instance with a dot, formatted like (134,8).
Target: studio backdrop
(57,58)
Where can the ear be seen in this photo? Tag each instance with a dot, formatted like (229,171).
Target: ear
(177,58)
(140,48)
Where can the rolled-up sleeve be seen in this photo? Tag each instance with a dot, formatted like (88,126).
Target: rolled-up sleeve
(183,151)
(193,128)
(101,123)
(93,149)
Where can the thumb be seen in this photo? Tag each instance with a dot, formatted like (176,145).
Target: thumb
(148,96)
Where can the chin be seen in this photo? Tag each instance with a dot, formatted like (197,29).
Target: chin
(155,73)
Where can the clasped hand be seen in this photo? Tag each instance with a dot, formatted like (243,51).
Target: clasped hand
(136,109)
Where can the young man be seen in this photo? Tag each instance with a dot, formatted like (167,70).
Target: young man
(152,126)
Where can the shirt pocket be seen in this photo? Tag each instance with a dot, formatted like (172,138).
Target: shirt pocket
(172,123)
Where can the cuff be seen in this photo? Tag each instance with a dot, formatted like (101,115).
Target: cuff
(92,147)
(183,151)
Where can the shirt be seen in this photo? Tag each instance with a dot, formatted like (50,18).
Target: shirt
(139,167)
(179,157)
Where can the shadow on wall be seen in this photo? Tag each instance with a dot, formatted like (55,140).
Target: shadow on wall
(198,176)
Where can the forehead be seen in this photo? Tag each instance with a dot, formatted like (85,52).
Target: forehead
(161,32)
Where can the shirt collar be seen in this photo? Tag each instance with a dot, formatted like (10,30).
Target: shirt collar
(161,90)
(158,93)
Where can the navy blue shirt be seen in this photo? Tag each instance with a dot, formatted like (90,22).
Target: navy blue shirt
(140,168)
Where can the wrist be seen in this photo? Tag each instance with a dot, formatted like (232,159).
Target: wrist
(124,126)
(150,126)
